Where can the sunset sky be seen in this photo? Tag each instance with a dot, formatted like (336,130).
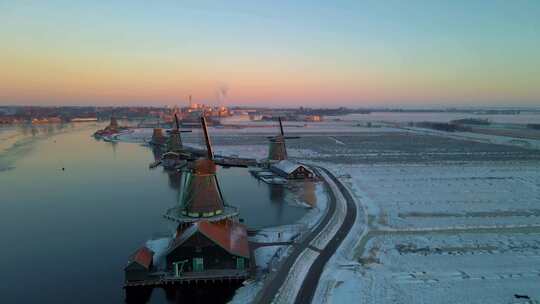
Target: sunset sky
(270,53)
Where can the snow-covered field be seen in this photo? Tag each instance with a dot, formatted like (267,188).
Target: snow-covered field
(439,195)
(442,233)
(445,230)
(482,138)
(447,268)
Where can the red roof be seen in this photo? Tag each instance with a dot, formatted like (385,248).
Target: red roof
(229,235)
(142,256)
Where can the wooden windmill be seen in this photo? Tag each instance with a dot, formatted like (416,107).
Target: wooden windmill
(277,149)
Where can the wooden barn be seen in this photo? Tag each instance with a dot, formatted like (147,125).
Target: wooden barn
(206,246)
(139,264)
(291,170)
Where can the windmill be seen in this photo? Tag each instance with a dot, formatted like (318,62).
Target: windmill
(114,123)
(174,144)
(201,196)
(277,150)
(158,139)
(176,156)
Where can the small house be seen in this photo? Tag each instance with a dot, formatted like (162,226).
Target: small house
(291,170)
(139,264)
(210,246)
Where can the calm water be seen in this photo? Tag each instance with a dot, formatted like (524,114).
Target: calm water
(66,235)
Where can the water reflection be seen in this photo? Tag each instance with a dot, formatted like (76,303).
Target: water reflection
(45,129)
(157,152)
(175,180)
(193,292)
(138,295)
(306,192)
(277,193)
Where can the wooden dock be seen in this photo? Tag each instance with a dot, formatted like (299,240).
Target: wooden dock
(161,279)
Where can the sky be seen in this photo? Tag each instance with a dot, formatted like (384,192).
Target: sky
(270,53)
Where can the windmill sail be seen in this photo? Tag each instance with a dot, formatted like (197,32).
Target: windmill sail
(207,139)
(201,196)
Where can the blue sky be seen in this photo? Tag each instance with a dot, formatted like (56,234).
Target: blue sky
(284,52)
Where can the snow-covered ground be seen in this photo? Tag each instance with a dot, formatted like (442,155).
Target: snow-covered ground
(484,138)
(159,247)
(441,233)
(448,268)
(268,255)
(439,195)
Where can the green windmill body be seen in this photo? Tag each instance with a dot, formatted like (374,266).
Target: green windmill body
(277,150)
(174,143)
(201,196)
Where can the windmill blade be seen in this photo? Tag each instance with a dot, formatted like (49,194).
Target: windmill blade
(291,137)
(227,165)
(281,126)
(207,139)
(227,161)
(176,121)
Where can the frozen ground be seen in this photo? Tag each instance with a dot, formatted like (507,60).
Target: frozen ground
(269,255)
(446,195)
(485,138)
(159,247)
(448,268)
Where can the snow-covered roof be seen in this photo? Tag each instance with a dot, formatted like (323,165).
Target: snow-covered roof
(170,153)
(143,256)
(288,166)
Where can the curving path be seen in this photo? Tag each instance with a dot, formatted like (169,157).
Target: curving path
(307,260)
(309,286)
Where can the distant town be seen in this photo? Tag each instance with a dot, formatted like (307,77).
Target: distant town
(193,111)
